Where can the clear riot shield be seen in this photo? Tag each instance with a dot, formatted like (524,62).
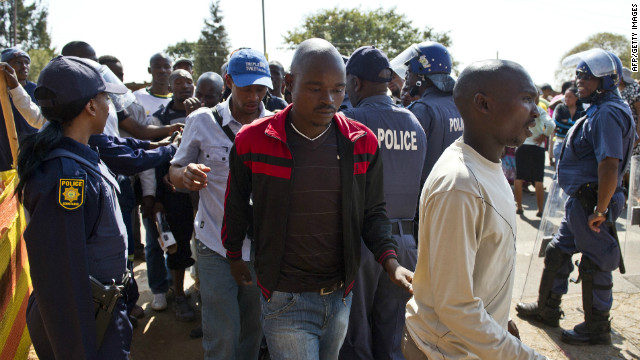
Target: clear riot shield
(630,239)
(551,217)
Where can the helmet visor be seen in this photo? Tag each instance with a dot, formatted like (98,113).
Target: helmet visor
(599,61)
(400,65)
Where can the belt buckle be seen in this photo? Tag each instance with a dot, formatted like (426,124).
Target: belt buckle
(330,289)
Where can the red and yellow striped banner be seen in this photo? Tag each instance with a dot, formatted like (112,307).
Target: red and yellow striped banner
(15,284)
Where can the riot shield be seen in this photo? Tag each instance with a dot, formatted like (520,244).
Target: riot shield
(630,240)
(551,217)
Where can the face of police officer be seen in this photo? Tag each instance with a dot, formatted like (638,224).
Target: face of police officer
(512,104)
(395,85)
(587,84)
(182,88)
(99,107)
(245,101)
(21,65)
(317,89)
(208,93)
(160,69)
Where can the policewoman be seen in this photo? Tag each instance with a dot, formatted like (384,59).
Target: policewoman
(75,237)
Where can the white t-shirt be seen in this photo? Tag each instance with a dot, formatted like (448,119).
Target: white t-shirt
(151,102)
(466,261)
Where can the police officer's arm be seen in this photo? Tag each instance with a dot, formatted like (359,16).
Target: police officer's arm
(607,183)
(237,213)
(127,156)
(56,243)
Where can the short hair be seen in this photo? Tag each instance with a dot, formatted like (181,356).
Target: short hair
(278,65)
(72,47)
(107,59)
(179,73)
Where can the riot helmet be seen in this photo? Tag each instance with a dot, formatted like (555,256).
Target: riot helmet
(428,59)
(599,63)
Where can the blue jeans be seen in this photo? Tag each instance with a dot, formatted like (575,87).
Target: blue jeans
(230,313)
(305,325)
(557,148)
(156,267)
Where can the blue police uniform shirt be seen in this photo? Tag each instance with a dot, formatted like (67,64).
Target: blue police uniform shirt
(129,156)
(607,131)
(441,121)
(402,144)
(22,128)
(75,229)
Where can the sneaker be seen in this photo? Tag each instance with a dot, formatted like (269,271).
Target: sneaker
(184,312)
(159,302)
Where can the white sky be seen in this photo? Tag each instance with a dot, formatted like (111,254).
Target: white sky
(533,33)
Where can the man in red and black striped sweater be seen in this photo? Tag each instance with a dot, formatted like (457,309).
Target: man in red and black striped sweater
(315,181)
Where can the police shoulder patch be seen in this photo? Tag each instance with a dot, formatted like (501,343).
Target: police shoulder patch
(71,193)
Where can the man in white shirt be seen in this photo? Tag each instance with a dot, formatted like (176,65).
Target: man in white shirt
(230,313)
(467,247)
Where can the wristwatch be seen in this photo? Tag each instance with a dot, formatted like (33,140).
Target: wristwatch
(598,213)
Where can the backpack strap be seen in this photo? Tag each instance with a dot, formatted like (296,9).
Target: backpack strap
(225,128)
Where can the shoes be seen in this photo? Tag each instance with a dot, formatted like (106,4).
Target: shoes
(548,315)
(599,334)
(159,302)
(184,312)
(519,212)
(539,214)
(137,312)
(196,333)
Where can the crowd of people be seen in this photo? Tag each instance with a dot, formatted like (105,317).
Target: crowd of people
(343,208)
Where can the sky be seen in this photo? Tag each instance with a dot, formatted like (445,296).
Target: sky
(533,33)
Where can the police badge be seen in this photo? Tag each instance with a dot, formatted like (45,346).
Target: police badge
(424,62)
(71,193)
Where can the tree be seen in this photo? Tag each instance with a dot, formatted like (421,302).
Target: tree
(31,25)
(32,35)
(183,49)
(348,29)
(617,44)
(212,48)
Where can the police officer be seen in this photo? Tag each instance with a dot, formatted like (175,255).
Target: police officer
(429,76)
(378,306)
(594,156)
(75,229)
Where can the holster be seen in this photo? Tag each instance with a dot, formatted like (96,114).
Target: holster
(588,196)
(105,298)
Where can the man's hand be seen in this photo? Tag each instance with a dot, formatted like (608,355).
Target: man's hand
(540,139)
(192,104)
(194,176)
(595,221)
(174,127)
(147,206)
(240,272)
(513,329)
(9,75)
(399,275)
(167,183)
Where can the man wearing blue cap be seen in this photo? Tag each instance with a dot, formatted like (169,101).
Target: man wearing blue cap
(15,65)
(378,306)
(230,313)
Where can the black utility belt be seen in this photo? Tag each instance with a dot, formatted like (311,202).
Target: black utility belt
(405,225)
(587,194)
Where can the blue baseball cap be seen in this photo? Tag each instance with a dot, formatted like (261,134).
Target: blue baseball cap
(72,78)
(369,63)
(249,67)
(12,53)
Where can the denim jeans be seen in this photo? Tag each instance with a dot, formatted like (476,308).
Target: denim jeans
(230,313)
(305,325)
(156,267)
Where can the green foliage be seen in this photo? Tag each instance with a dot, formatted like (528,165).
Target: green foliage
(348,29)
(617,44)
(182,49)
(212,49)
(31,25)
(39,59)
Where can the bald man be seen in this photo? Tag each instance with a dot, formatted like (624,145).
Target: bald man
(156,96)
(208,92)
(315,180)
(466,241)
